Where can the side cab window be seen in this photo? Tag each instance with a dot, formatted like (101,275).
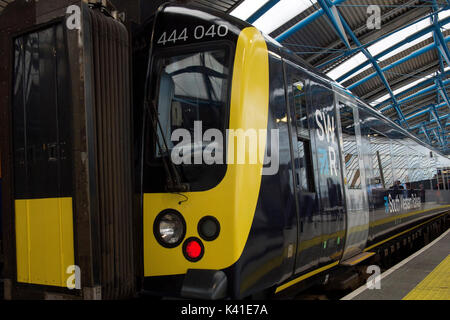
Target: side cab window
(298,97)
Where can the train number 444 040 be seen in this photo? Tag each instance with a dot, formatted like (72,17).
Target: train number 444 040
(198,33)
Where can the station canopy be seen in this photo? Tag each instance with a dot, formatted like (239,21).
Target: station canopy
(393,54)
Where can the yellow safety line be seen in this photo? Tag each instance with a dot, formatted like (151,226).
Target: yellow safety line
(435,286)
(305,276)
(403,232)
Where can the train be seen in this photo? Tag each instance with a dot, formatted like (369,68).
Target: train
(347,177)
(190,156)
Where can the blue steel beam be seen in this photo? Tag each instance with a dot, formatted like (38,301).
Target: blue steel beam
(389,50)
(261,11)
(443,131)
(441,62)
(335,19)
(443,53)
(414,96)
(441,45)
(418,126)
(442,50)
(438,137)
(398,62)
(442,118)
(424,131)
(435,115)
(442,91)
(326,4)
(426,82)
(423,111)
(419,34)
(304,22)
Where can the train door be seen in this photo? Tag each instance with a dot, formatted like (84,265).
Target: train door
(297,84)
(324,133)
(317,171)
(354,176)
(42,158)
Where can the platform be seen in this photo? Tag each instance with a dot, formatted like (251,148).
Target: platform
(423,276)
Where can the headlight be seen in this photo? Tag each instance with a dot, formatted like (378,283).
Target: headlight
(169,228)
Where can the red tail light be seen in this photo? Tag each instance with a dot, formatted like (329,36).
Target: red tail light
(193,249)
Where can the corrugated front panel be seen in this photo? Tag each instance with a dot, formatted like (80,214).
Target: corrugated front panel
(114,155)
(42,158)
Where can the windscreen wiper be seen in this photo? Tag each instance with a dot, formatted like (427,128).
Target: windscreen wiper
(173,183)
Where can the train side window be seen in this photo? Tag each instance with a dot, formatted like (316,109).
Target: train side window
(303,159)
(350,147)
(380,150)
(299,102)
(427,170)
(400,154)
(303,166)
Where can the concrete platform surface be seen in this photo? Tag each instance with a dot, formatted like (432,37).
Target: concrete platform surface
(423,276)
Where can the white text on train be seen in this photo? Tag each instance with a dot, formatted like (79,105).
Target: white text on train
(326,131)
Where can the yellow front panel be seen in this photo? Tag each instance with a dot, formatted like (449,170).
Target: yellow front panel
(44,241)
(233,201)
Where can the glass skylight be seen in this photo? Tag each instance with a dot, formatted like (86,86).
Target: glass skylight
(398,91)
(348,65)
(247,8)
(398,36)
(385,43)
(406,87)
(379,47)
(278,15)
(281,13)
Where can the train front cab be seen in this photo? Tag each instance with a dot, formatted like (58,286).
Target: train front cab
(202,70)
(270,226)
(267,231)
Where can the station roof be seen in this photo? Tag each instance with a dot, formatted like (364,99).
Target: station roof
(400,66)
